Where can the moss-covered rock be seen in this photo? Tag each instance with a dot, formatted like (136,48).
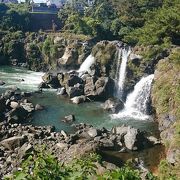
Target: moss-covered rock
(166,101)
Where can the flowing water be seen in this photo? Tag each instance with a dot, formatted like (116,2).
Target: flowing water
(137,101)
(56,107)
(85,66)
(123,54)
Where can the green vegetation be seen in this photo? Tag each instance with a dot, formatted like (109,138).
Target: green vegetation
(14,17)
(144,22)
(43,165)
(166,99)
(104,53)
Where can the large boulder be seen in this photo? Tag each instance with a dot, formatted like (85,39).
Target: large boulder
(74,79)
(51,80)
(74,91)
(104,87)
(13,142)
(113,105)
(89,88)
(70,57)
(17,115)
(130,138)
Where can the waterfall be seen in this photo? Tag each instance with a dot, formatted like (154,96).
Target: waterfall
(136,102)
(121,75)
(85,66)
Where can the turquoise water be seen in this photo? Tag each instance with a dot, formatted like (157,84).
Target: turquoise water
(57,107)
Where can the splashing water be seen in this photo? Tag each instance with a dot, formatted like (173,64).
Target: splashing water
(136,102)
(85,66)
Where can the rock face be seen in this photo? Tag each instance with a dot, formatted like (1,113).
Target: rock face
(70,57)
(166,103)
(113,105)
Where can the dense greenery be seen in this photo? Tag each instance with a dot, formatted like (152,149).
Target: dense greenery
(14,17)
(43,165)
(138,21)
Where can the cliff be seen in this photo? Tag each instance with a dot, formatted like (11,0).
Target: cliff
(166,101)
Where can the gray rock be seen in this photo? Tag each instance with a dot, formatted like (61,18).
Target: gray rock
(120,130)
(93,132)
(13,142)
(14,104)
(130,138)
(113,105)
(2,83)
(61,145)
(69,118)
(39,107)
(78,99)
(29,107)
(74,91)
(26,148)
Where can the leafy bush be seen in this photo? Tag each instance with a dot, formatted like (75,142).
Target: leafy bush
(43,165)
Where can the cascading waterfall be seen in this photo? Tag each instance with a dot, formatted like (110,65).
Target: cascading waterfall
(136,102)
(85,66)
(122,54)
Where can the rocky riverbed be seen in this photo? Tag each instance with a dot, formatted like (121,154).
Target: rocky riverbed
(17,139)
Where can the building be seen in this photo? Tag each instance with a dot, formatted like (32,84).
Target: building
(43,7)
(58,3)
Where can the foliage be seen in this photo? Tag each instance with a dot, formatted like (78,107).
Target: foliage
(14,17)
(161,25)
(43,165)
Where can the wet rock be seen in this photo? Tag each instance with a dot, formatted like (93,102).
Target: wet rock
(113,105)
(69,118)
(29,107)
(61,91)
(51,80)
(13,142)
(78,99)
(39,107)
(14,104)
(104,87)
(74,91)
(2,83)
(2,104)
(74,79)
(43,85)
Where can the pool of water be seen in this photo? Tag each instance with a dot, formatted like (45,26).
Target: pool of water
(56,107)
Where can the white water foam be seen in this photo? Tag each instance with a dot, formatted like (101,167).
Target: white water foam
(136,102)
(24,79)
(85,66)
